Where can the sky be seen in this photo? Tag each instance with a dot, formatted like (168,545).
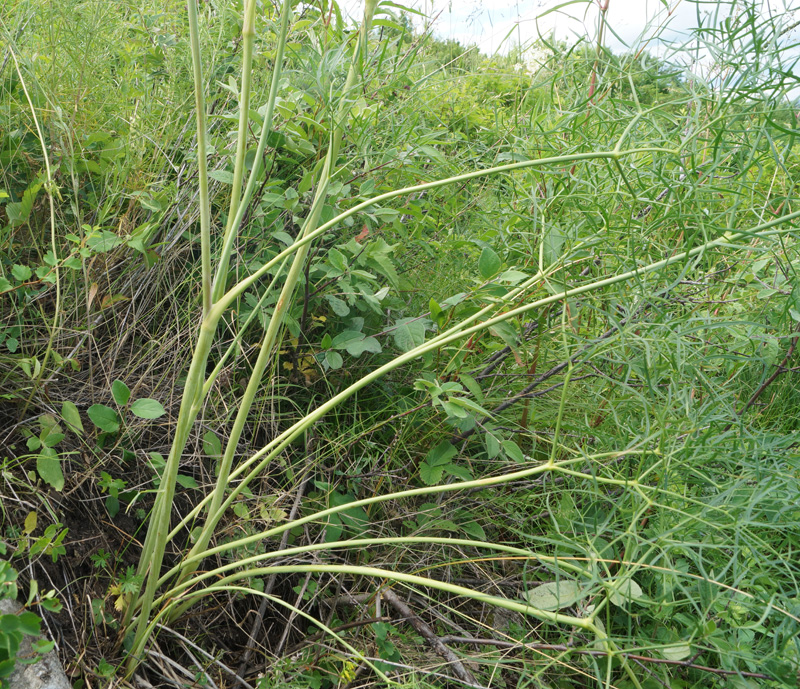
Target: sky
(495,25)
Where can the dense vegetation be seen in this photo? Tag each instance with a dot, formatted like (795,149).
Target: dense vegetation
(448,370)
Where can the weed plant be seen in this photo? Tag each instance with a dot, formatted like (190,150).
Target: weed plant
(512,349)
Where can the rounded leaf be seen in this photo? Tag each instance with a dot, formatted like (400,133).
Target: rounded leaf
(120,392)
(489,263)
(147,408)
(105,418)
(556,595)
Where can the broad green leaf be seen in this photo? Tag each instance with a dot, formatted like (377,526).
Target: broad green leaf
(120,392)
(29,623)
(71,415)
(355,520)
(211,444)
(223,176)
(441,454)
(409,333)
(147,408)
(492,445)
(512,277)
(21,273)
(337,260)
(339,306)
(556,595)
(626,590)
(333,531)
(676,652)
(506,332)
(430,475)
(469,404)
(186,481)
(356,343)
(489,263)
(48,465)
(105,418)
(455,411)
(474,530)
(103,241)
(458,471)
(472,385)
(512,451)
(334,360)
(552,244)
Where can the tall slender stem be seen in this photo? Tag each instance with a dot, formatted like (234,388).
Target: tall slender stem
(202,165)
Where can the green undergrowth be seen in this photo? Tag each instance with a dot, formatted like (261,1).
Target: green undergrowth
(662,410)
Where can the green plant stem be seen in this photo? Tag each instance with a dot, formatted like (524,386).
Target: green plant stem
(272,449)
(202,147)
(282,305)
(50,187)
(248,35)
(358,543)
(220,276)
(410,493)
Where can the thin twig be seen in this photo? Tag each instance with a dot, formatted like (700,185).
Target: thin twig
(780,368)
(457,666)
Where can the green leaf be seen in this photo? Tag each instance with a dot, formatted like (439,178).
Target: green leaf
(339,306)
(475,530)
(211,444)
(334,360)
(512,277)
(626,590)
(409,333)
(21,273)
(221,176)
(355,520)
(441,454)
(356,343)
(552,245)
(186,481)
(492,445)
(430,475)
(103,241)
(368,344)
(147,408)
(470,405)
(337,260)
(120,392)
(506,332)
(458,471)
(489,263)
(48,465)
(472,385)
(556,595)
(29,623)
(676,652)
(71,415)
(105,418)
(513,452)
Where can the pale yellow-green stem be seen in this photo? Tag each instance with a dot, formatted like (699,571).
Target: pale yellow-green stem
(51,190)
(235,219)
(248,37)
(282,305)
(202,163)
